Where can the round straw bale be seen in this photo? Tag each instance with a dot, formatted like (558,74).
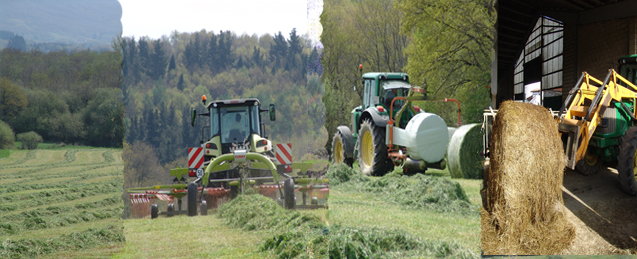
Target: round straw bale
(463,153)
(523,186)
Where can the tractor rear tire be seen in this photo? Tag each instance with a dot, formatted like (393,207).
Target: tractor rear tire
(338,151)
(626,166)
(372,151)
(154,211)
(192,199)
(170,209)
(288,192)
(589,165)
(203,208)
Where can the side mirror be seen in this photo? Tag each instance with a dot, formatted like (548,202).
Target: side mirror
(272,112)
(193,117)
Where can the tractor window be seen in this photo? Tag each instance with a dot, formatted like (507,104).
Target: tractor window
(214,122)
(367,95)
(394,84)
(394,88)
(234,124)
(629,71)
(254,120)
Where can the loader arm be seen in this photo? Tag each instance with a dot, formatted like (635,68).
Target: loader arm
(580,121)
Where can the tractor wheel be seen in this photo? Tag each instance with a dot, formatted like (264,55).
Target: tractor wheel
(372,151)
(288,192)
(338,151)
(170,209)
(154,211)
(192,199)
(589,165)
(626,166)
(203,208)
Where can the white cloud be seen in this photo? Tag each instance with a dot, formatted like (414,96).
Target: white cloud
(161,17)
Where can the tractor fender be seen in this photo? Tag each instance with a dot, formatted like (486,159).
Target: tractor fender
(379,120)
(348,139)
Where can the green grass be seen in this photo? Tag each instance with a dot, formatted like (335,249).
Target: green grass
(369,210)
(53,197)
(4,153)
(51,206)
(192,237)
(359,219)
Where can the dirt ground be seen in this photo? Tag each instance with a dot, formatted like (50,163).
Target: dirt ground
(604,216)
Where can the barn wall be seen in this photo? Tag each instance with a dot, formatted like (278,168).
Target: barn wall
(600,44)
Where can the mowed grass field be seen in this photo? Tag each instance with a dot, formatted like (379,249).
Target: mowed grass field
(63,202)
(211,237)
(66,203)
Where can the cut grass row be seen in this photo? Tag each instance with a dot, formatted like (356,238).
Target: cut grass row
(82,173)
(357,223)
(57,157)
(55,175)
(60,201)
(56,209)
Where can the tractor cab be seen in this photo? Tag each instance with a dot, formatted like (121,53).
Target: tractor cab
(235,124)
(393,88)
(628,68)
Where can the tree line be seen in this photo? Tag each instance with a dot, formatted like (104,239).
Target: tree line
(69,97)
(163,79)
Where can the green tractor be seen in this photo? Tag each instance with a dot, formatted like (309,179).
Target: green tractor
(388,131)
(597,122)
(236,155)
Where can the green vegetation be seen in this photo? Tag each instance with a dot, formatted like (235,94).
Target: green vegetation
(64,97)
(52,206)
(418,191)
(4,153)
(360,223)
(302,233)
(165,78)
(6,136)
(29,140)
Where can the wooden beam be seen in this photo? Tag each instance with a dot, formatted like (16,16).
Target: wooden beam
(571,4)
(511,10)
(512,28)
(517,21)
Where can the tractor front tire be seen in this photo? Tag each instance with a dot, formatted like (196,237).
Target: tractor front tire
(288,192)
(372,151)
(338,151)
(626,166)
(192,199)
(589,165)
(170,209)
(154,211)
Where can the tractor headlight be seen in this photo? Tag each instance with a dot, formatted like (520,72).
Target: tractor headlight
(262,143)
